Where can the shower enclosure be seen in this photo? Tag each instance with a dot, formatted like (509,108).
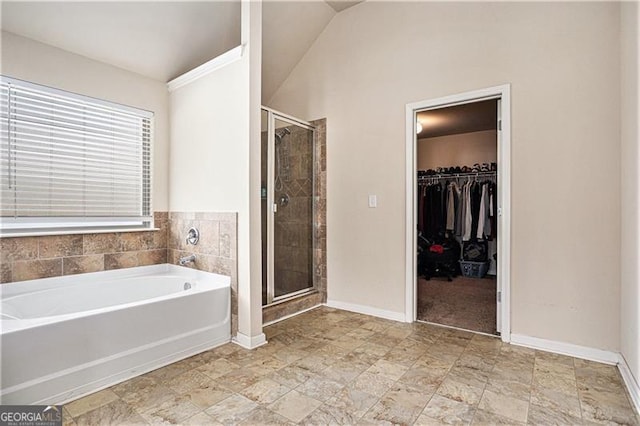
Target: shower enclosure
(288,186)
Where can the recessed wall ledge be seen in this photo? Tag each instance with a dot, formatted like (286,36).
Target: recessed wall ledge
(76,232)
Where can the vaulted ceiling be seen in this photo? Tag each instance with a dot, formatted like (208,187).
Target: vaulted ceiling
(288,30)
(162,40)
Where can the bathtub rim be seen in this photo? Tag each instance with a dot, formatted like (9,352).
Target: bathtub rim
(213,282)
(29,286)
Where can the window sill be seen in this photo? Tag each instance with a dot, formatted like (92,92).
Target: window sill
(75,232)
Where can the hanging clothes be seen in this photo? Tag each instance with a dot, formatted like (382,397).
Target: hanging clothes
(448,208)
(487,210)
(476,194)
(452,201)
(481,209)
(468,216)
(459,227)
(433,212)
(439,210)
(420,201)
(484,222)
(493,210)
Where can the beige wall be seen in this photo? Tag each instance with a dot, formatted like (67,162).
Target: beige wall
(29,60)
(208,168)
(630,115)
(562,60)
(464,149)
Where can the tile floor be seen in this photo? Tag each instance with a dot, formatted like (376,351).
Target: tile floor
(329,367)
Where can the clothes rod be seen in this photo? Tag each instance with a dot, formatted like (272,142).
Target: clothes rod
(458,175)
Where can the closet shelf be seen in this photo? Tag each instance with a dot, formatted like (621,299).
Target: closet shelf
(456,175)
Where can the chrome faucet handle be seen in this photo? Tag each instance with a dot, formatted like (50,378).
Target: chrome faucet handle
(193,236)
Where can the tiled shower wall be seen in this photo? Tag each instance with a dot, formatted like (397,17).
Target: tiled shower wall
(28,258)
(319,252)
(293,245)
(320,201)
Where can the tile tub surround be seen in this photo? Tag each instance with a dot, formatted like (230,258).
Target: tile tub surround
(216,250)
(328,366)
(28,258)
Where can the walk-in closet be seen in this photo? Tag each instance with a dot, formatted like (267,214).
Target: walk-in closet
(457,210)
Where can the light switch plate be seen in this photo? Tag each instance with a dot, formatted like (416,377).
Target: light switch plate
(373,201)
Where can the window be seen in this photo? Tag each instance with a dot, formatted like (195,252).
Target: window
(70,162)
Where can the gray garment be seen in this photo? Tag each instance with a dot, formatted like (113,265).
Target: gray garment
(487,216)
(451,207)
(491,205)
(482,215)
(458,223)
(463,209)
(466,235)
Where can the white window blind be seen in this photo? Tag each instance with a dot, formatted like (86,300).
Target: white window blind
(71,161)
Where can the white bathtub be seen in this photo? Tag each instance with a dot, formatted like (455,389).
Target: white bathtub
(64,337)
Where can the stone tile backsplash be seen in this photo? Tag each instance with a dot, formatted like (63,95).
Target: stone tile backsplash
(28,258)
(215,252)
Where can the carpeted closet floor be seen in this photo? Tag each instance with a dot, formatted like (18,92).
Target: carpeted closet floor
(468,303)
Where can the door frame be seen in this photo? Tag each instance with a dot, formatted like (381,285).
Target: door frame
(272,116)
(502,92)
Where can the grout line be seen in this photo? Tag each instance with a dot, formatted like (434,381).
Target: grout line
(575,374)
(533,373)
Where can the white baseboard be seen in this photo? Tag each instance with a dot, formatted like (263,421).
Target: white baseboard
(367,310)
(591,354)
(250,342)
(632,384)
(576,351)
(290,315)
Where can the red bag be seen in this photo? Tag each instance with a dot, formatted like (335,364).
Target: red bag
(436,248)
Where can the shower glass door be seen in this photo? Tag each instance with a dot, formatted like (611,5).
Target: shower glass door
(288,213)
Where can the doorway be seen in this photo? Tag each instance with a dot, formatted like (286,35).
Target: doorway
(288,184)
(455,276)
(457,186)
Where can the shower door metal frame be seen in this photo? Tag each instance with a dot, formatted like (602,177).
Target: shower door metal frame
(274,115)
